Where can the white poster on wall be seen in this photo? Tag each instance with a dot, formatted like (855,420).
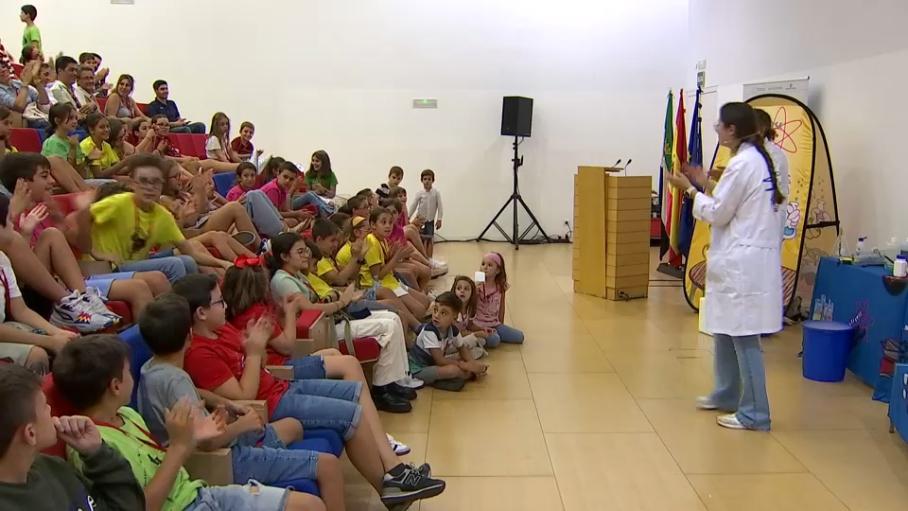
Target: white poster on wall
(796,88)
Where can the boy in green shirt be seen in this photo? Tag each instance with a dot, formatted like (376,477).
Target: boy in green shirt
(31,34)
(93,374)
(31,480)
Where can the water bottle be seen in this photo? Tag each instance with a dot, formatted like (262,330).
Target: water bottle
(817,309)
(827,314)
(900,268)
(859,249)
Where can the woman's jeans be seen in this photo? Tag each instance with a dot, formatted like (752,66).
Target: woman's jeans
(504,334)
(741,380)
(173,267)
(324,208)
(265,216)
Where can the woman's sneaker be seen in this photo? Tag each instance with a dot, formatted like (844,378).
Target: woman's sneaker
(409,485)
(75,313)
(399,448)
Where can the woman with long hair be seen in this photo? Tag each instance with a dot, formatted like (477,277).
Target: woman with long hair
(120,103)
(744,276)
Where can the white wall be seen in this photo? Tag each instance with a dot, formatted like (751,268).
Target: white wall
(856,55)
(340,75)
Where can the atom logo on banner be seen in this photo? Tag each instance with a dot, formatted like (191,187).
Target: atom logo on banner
(785,129)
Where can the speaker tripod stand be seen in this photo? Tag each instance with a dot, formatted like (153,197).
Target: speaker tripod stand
(514,200)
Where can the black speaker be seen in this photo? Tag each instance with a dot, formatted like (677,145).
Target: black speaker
(516,116)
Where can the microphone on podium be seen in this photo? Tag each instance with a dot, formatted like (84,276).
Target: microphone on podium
(629,160)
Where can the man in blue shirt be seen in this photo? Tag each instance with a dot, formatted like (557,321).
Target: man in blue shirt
(18,95)
(162,105)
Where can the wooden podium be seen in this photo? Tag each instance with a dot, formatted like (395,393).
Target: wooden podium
(611,233)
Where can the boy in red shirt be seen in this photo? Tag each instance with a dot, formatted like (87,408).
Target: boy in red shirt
(228,362)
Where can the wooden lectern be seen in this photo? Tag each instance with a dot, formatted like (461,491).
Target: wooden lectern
(611,233)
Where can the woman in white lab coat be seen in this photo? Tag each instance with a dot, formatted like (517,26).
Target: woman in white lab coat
(743,276)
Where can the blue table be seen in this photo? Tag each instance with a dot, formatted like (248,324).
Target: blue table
(860,296)
(898,401)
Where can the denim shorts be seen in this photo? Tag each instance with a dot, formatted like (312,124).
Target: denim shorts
(267,438)
(325,404)
(252,496)
(103,281)
(308,368)
(273,465)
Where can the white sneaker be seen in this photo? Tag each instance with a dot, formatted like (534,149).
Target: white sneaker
(411,382)
(74,313)
(397,446)
(730,421)
(705,403)
(438,268)
(97,303)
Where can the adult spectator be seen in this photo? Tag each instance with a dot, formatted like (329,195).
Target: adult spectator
(85,89)
(93,60)
(31,34)
(62,90)
(6,60)
(19,95)
(163,105)
(120,103)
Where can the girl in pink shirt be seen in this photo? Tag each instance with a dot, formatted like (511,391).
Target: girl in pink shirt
(245,181)
(490,302)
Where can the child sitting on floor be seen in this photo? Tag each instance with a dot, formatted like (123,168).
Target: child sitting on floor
(465,289)
(427,356)
(93,375)
(259,451)
(491,302)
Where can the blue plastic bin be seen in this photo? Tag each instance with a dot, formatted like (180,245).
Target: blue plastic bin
(826,348)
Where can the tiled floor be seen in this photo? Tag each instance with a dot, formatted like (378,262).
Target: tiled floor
(595,412)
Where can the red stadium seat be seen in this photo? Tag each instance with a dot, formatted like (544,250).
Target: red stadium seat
(58,406)
(102,103)
(183,142)
(198,143)
(143,107)
(26,140)
(17,69)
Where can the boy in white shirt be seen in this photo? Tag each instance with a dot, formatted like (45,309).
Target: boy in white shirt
(427,356)
(427,204)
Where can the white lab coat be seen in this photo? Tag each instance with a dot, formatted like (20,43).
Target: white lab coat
(743,274)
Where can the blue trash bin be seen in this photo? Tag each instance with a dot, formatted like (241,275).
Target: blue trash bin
(826,348)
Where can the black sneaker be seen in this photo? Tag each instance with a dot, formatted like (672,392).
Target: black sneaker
(388,402)
(408,486)
(401,391)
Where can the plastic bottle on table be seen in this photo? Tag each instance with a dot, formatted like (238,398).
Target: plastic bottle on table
(859,248)
(900,267)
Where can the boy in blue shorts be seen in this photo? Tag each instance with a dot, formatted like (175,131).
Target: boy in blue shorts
(259,451)
(227,362)
(93,374)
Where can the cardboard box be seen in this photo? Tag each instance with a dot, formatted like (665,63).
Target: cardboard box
(630,226)
(623,249)
(629,182)
(642,203)
(627,215)
(628,193)
(630,270)
(627,259)
(626,282)
(641,237)
(626,293)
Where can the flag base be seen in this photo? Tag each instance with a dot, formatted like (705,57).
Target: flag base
(667,269)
